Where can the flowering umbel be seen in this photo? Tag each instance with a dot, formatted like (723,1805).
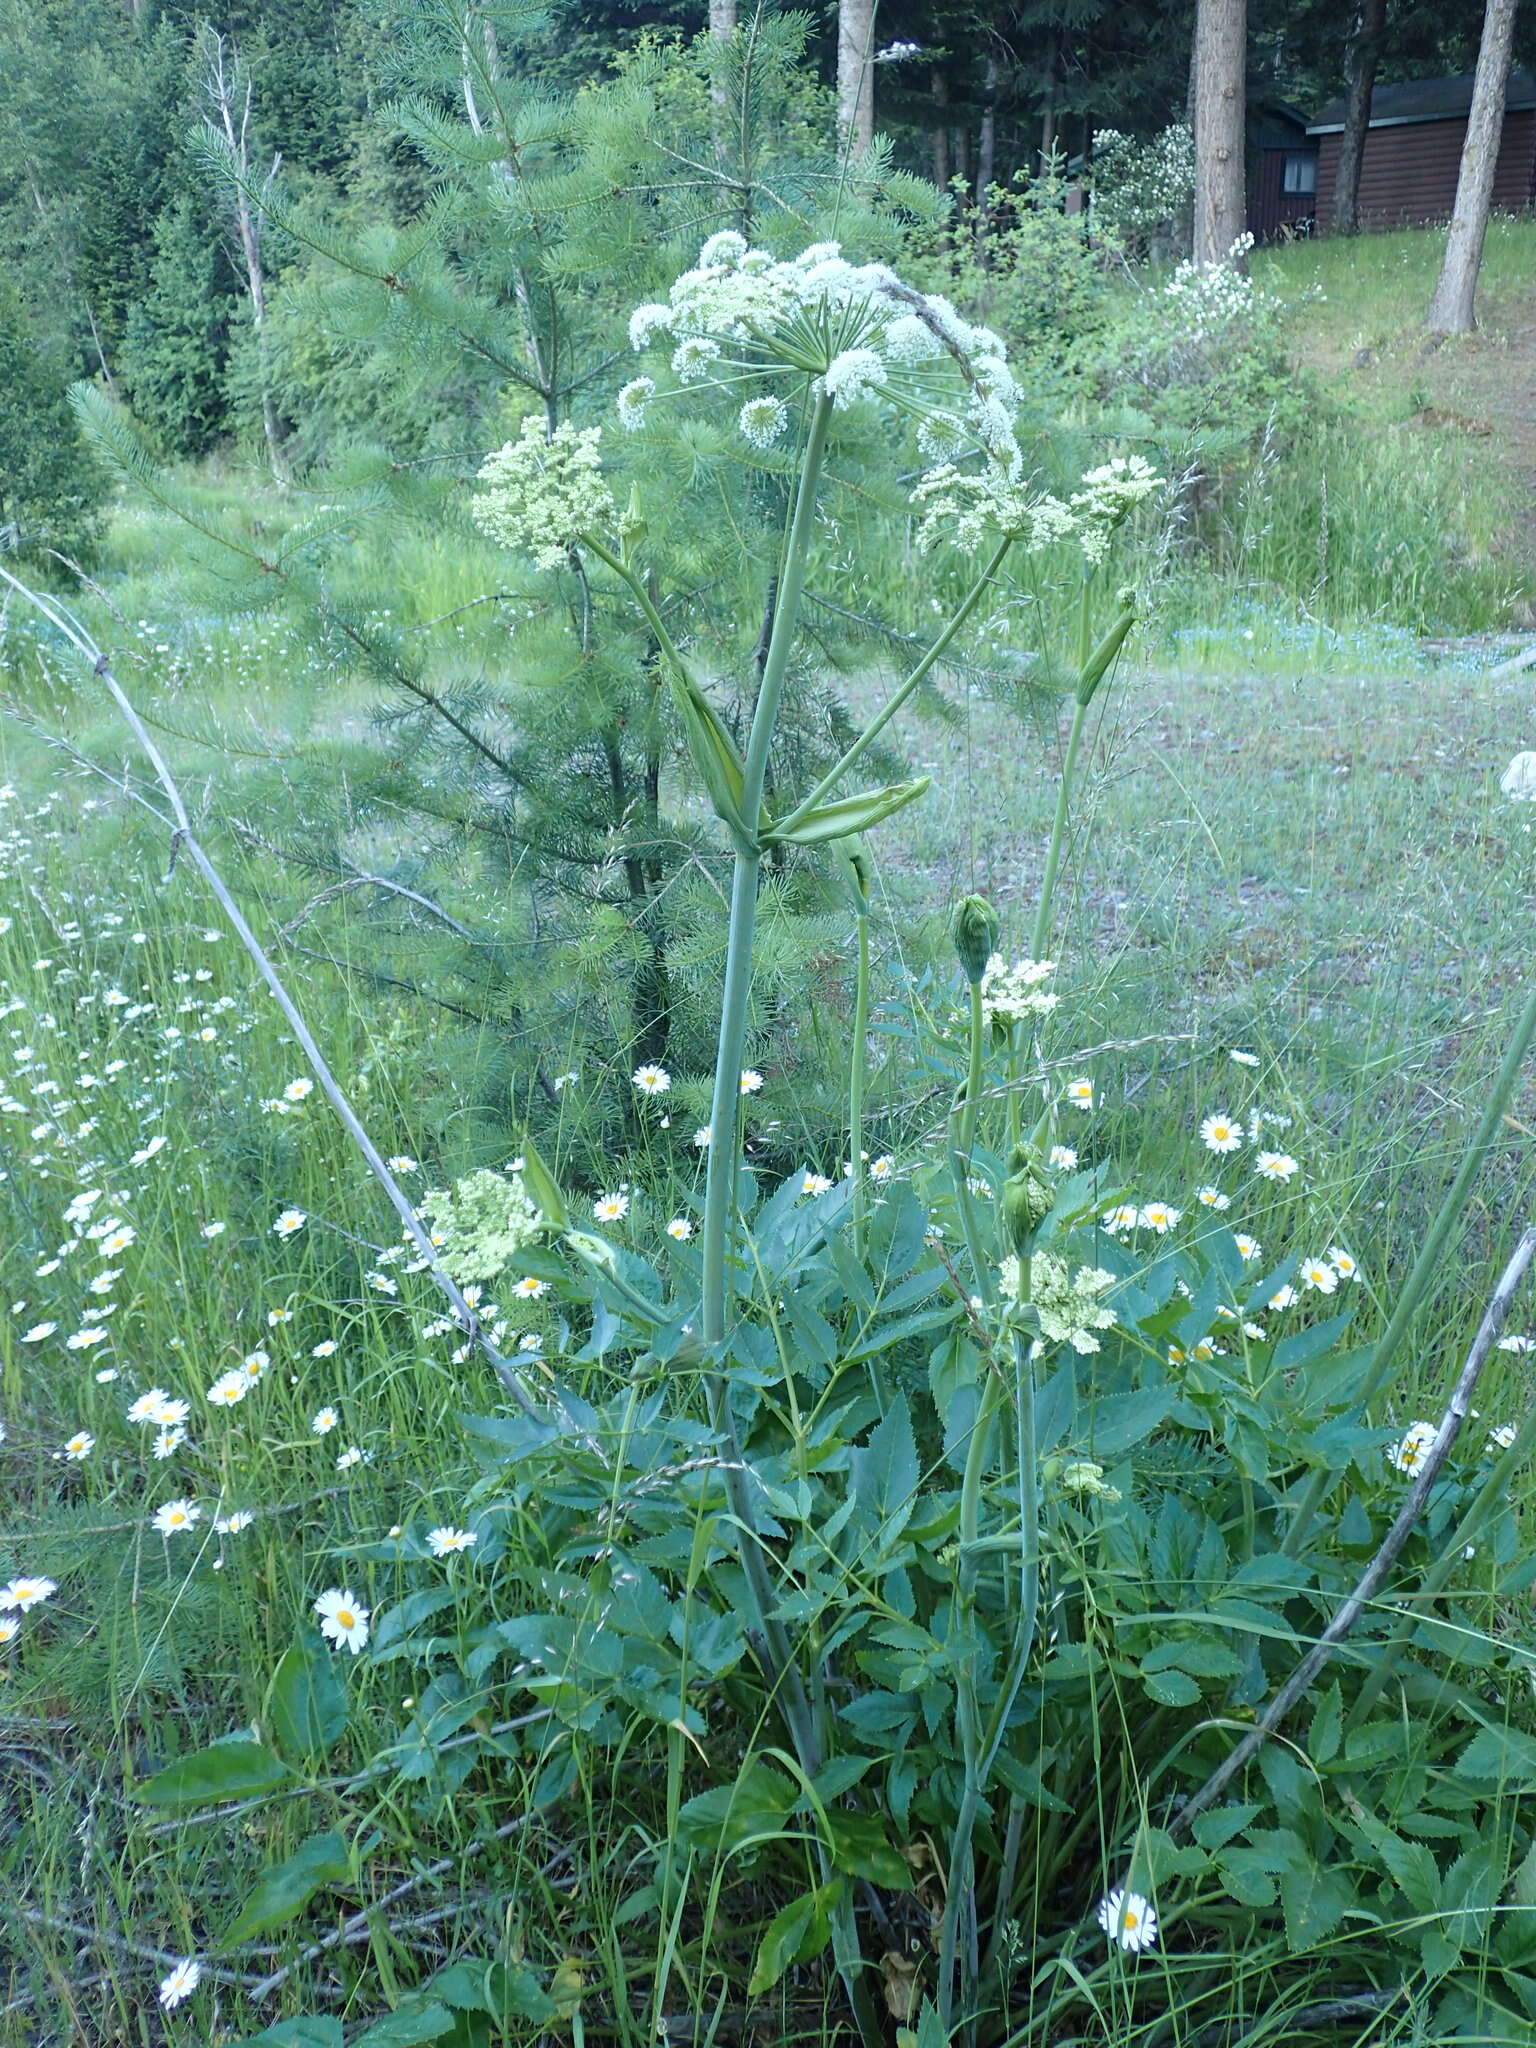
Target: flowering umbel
(543,492)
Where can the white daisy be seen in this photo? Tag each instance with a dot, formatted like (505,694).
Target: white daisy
(442,1542)
(324,1421)
(1221,1133)
(181,1983)
(1080,1093)
(290,1221)
(174,1516)
(652,1080)
(1129,1919)
(343,1620)
(1276,1166)
(680,1228)
(610,1208)
(1317,1274)
(26,1592)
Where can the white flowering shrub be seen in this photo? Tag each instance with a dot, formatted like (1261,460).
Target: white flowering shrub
(1142,190)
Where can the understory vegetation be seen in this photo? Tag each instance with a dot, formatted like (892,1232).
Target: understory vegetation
(762,1074)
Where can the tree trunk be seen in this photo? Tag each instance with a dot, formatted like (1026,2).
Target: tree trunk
(1451,308)
(1220,82)
(940,131)
(1360,55)
(986,145)
(722,17)
(855,75)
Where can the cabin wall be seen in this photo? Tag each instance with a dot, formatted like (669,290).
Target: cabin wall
(1409,172)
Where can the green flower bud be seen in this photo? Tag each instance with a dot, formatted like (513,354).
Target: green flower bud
(975,934)
(1025,1203)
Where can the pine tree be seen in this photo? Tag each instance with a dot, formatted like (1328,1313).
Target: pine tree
(525,773)
(50,489)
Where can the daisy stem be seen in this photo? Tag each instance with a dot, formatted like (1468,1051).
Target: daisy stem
(1042,934)
(1427,1266)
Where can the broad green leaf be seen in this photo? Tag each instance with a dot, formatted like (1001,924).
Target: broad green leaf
(1213,1830)
(1246,1877)
(846,815)
(796,1932)
(1314,1901)
(712,749)
(307,2031)
(722,1819)
(307,1702)
(543,1186)
(1119,1421)
(1523,1887)
(414,2021)
(228,1770)
(1327,1726)
(1171,1688)
(1469,1892)
(860,1846)
(288,1886)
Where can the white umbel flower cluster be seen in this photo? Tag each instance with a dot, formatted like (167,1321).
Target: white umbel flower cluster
(1068,1304)
(1012,995)
(542,492)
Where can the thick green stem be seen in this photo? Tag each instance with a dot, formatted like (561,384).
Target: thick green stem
(962,1141)
(856,1079)
(720,1181)
(882,719)
(1426,1267)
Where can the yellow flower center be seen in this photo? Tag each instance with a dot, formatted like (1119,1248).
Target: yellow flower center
(346,1618)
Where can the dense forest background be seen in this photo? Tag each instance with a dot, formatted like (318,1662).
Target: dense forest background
(122,260)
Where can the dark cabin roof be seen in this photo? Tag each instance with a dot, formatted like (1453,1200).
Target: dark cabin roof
(1278,125)
(1426,99)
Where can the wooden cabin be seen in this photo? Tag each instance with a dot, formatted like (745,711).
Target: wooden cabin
(1282,172)
(1413,151)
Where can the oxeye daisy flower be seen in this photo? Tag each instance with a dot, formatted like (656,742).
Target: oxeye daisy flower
(254,1364)
(1318,1275)
(1342,1263)
(1080,1093)
(300,1090)
(529,1288)
(324,1421)
(883,1167)
(444,1541)
(326,1348)
(1244,1059)
(1276,1166)
(611,1208)
(80,1445)
(169,1441)
(26,1592)
(228,1390)
(343,1619)
(1502,1436)
(680,1228)
(652,1080)
(82,1340)
(231,1525)
(1124,1216)
(213,1230)
(174,1516)
(1213,1198)
(181,1983)
(1129,1919)
(402,1162)
(9,1630)
(815,1184)
(353,1455)
(1248,1248)
(38,1332)
(147,1407)
(291,1220)
(751,1081)
(1517,1343)
(703,1137)
(1221,1133)
(1409,1455)
(1284,1296)
(1160,1217)
(1255,1333)
(1061,1158)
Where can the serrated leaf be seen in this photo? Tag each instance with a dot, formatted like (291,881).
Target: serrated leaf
(307,1702)
(1504,1755)
(288,1886)
(227,1770)
(1327,1726)
(860,1846)
(1171,1688)
(1215,1828)
(306,2031)
(1314,1901)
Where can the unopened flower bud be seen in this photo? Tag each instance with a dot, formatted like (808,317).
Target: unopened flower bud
(975,934)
